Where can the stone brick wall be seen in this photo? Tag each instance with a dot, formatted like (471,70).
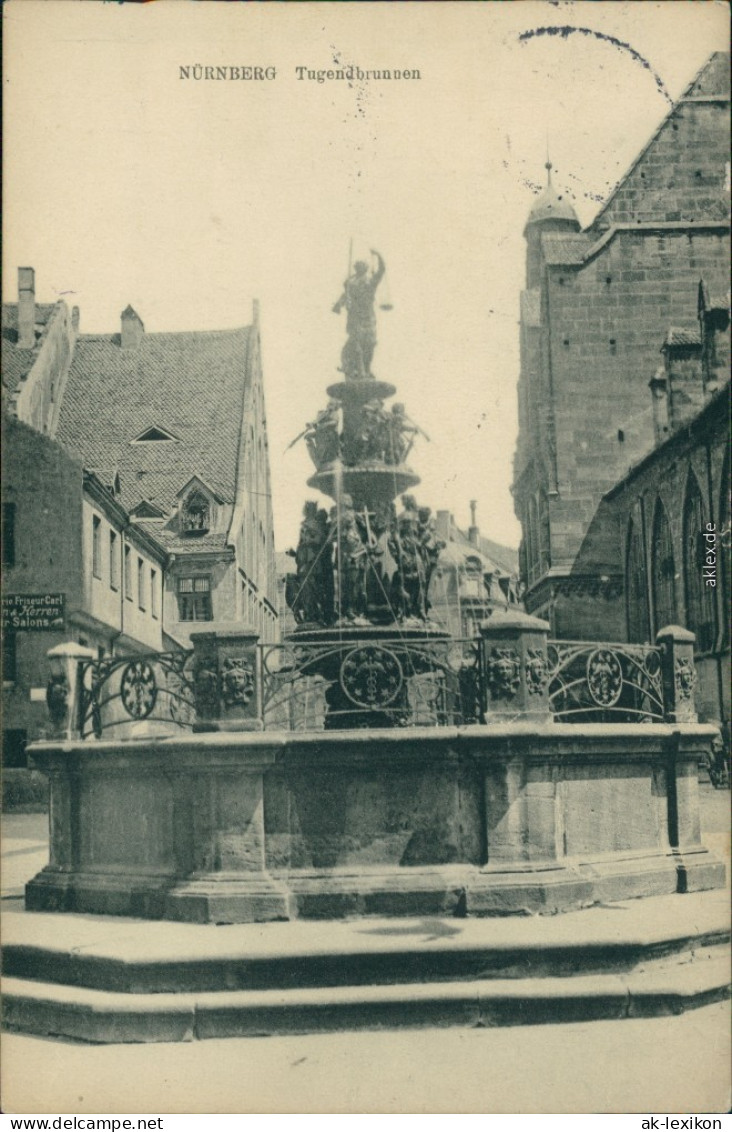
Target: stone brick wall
(608,299)
(37,399)
(607,323)
(680,175)
(45,485)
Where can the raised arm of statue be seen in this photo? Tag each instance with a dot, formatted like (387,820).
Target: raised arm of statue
(380,269)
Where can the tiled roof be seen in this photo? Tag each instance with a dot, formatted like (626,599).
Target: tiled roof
(559,248)
(191,384)
(531,307)
(682,337)
(493,557)
(16,363)
(170,540)
(552,205)
(505,557)
(711,300)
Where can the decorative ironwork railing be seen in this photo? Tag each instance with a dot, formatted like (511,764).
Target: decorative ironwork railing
(605,683)
(117,692)
(399,682)
(373,681)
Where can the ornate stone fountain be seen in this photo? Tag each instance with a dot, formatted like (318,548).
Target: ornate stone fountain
(480,803)
(364,567)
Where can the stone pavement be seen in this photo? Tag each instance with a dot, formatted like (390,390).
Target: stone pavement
(677,1065)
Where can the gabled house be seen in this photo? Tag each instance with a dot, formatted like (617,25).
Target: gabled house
(136,491)
(181,418)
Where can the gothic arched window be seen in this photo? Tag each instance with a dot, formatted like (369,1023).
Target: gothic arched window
(545,557)
(663,570)
(533,540)
(700,598)
(196,514)
(636,587)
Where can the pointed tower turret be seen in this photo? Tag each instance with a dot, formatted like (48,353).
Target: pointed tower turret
(552,212)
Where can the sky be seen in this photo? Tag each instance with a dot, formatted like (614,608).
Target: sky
(125,183)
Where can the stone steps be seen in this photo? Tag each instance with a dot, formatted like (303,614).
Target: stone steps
(81,1013)
(102,979)
(238,968)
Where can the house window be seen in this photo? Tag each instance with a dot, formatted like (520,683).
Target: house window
(700,598)
(196,518)
(8,534)
(154,593)
(140,583)
(10,656)
(113,561)
(472,585)
(663,570)
(15,740)
(128,573)
(96,546)
(194,599)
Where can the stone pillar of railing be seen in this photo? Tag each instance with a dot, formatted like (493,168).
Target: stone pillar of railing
(678,673)
(226,678)
(514,667)
(63,690)
(220,834)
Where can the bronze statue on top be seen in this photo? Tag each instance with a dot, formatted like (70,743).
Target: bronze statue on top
(358,298)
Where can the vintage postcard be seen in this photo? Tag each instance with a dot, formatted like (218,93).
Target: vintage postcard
(365,558)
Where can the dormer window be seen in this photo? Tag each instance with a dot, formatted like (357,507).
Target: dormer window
(196,514)
(154,434)
(146,510)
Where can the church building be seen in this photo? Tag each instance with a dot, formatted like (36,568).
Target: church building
(600,306)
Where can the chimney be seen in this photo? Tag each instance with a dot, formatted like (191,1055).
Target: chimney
(132,329)
(682,358)
(26,308)
(659,404)
(442,525)
(473,532)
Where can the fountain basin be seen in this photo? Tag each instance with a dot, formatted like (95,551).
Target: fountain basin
(480,820)
(367,484)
